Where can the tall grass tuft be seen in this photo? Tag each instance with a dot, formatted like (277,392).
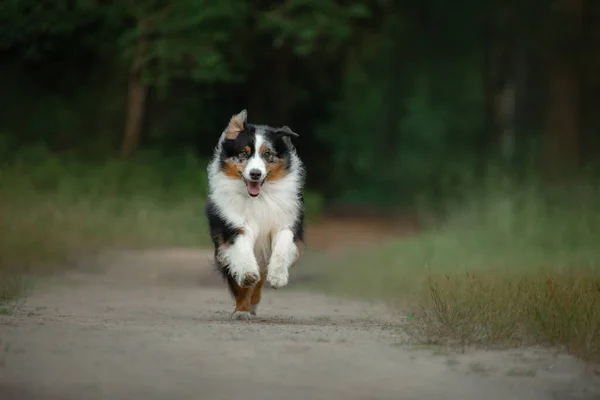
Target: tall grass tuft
(560,309)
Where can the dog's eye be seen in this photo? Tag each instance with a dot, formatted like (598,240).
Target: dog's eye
(270,157)
(243,155)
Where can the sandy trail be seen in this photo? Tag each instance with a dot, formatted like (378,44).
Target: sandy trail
(156,325)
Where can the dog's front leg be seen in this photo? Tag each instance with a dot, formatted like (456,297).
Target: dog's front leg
(284,254)
(241,261)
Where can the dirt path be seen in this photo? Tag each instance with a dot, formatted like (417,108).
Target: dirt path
(156,326)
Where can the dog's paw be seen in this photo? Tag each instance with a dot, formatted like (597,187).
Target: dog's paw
(253,309)
(241,316)
(247,279)
(277,277)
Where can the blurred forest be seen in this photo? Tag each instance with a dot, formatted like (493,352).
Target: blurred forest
(393,99)
(479,117)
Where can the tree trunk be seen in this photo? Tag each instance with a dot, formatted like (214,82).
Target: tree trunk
(505,119)
(562,118)
(137,93)
(563,106)
(500,83)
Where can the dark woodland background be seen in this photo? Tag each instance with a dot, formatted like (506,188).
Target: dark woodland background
(393,100)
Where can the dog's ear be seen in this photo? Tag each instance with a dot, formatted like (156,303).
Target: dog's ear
(237,123)
(286,131)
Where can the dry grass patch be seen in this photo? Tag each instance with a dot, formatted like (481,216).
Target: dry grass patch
(559,309)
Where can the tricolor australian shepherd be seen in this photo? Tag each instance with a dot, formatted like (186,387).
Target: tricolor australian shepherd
(255,209)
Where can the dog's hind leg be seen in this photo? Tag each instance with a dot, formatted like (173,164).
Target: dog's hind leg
(257,293)
(241,295)
(243,306)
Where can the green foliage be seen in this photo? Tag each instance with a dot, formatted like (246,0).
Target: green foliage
(34,26)
(54,208)
(184,39)
(73,118)
(313,205)
(163,178)
(404,82)
(313,25)
(415,132)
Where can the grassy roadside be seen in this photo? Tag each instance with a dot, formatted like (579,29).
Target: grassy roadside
(55,208)
(511,267)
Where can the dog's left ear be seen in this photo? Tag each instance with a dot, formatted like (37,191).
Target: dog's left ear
(286,131)
(237,124)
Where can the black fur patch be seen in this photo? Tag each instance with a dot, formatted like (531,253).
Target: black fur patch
(231,148)
(281,145)
(221,233)
(298,229)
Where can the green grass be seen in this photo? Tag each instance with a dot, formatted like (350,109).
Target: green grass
(54,209)
(507,267)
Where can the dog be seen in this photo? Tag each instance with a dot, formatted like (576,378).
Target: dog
(255,209)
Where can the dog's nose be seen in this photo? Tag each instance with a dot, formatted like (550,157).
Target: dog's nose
(255,174)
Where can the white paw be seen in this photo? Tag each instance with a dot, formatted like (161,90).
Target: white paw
(241,316)
(248,275)
(253,309)
(248,279)
(278,277)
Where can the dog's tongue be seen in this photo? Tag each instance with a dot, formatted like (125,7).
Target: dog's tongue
(253,188)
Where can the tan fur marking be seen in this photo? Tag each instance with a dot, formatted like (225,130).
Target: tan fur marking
(242,298)
(263,149)
(276,171)
(236,125)
(233,169)
(257,292)
(247,149)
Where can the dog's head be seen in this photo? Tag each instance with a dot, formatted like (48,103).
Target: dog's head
(255,154)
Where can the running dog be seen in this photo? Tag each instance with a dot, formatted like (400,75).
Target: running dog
(255,209)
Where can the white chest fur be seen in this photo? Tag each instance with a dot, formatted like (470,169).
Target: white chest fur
(276,208)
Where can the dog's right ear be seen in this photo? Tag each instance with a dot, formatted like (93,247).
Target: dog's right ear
(237,123)
(286,131)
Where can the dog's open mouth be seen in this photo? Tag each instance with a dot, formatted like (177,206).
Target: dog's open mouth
(254,188)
